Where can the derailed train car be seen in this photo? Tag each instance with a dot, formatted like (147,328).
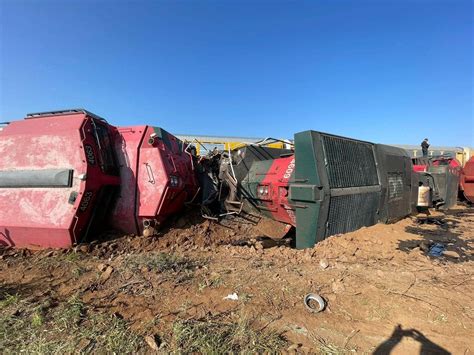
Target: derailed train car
(157,179)
(64,174)
(326,186)
(57,173)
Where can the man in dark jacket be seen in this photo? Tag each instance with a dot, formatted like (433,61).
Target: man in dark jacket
(424,147)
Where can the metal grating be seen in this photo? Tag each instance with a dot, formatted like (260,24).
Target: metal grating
(350,212)
(349,163)
(395,185)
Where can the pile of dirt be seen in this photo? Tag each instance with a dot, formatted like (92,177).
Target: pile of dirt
(383,289)
(187,232)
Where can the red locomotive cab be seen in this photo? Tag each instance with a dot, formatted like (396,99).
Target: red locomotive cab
(453,163)
(420,165)
(271,193)
(157,176)
(56,175)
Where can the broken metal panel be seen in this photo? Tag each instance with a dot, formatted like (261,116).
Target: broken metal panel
(244,157)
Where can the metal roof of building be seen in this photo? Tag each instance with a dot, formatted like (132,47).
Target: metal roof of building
(415,147)
(413,150)
(210,138)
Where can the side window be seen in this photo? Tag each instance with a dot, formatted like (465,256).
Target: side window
(106,152)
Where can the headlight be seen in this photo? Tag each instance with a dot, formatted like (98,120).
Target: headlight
(263,191)
(174,181)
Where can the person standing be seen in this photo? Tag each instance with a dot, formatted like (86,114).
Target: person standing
(424,147)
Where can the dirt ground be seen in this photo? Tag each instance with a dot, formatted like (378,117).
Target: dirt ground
(167,292)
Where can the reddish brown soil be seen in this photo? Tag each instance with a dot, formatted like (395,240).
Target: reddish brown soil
(376,279)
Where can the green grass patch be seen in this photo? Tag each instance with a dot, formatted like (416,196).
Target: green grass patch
(72,257)
(65,328)
(212,281)
(8,300)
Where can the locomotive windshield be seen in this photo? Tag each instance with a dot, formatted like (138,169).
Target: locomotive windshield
(108,161)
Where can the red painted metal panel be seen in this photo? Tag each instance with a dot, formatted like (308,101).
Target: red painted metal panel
(452,162)
(127,143)
(277,179)
(419,168)
(50,216)
(157,177)
(467,180)
(165,176)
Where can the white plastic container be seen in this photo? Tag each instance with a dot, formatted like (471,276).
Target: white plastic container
(424,196)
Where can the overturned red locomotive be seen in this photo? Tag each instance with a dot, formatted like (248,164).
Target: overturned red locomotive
(64,173)
(56,175)
(157,178)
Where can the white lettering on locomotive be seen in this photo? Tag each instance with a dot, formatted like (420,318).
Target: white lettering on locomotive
(289,169)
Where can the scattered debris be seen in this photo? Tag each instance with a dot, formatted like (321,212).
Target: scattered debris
(314,303)
(182,276)
(451,254)
(436,249)
(323,263)
(350,336)
(294,347)
(106,274)
(101,267)
(152,343)
(431,220)
(425,246)
(232,297)
(83,248)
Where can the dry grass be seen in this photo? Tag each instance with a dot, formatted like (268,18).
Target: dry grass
(65,328)
(217,337)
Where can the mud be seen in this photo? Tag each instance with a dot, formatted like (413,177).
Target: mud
(382,289)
